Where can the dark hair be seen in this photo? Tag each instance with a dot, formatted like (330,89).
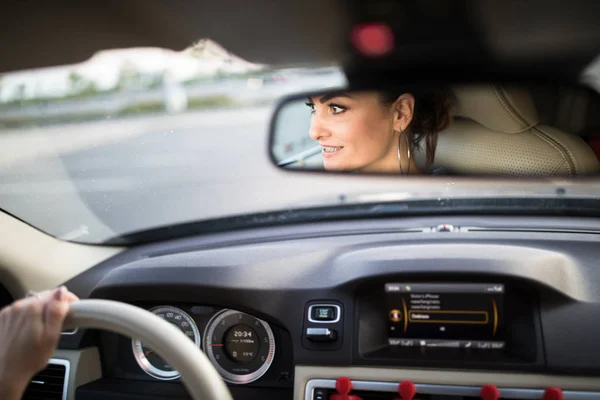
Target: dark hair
(431,115)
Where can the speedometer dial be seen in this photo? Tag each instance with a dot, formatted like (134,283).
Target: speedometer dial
(151,362)
(240,346)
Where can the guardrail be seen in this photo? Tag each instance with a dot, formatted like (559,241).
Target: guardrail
(238,91)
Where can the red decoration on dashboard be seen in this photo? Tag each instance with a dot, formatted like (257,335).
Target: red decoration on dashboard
(489,392)
(407,391)
(343,386)
(553,394)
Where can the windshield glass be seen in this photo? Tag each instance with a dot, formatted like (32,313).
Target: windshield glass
(140,138)
(135,139)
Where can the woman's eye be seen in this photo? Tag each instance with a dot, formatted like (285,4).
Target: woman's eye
(311,106)
(335,109)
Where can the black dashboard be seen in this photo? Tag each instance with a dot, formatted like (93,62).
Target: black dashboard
(454,293)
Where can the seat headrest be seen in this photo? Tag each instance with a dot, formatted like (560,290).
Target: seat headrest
(496,130)
(506,109)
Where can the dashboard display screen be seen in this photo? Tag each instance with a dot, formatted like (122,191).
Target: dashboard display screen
(451,315)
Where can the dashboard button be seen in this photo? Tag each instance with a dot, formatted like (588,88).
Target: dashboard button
(320,334)
(326,332)
(324,313)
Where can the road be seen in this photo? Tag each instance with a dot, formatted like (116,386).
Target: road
(135,174)
(90,181)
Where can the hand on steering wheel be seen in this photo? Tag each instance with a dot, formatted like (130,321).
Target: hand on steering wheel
(29,332)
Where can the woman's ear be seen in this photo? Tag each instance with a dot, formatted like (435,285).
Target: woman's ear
(403,108)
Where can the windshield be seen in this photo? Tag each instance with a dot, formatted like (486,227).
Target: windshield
(136,139)
(139,138)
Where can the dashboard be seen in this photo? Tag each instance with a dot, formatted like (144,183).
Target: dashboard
(448,305)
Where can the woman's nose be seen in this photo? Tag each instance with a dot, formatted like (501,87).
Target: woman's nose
(317,129)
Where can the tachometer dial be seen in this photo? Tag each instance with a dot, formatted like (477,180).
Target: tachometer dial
(151,362)
(240,346)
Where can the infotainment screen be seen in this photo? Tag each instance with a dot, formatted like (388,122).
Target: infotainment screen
(451,315)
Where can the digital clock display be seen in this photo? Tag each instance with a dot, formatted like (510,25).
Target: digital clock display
(242,333)
(241,344)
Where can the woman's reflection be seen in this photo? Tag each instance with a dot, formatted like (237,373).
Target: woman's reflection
(378,131)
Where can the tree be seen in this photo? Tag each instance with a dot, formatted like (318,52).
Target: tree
(20,92)
(81,86)
(128,75)
(75,82)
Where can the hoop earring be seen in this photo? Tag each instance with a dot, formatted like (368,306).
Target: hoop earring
(402,134)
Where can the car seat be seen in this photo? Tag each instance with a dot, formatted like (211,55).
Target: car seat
(496,130)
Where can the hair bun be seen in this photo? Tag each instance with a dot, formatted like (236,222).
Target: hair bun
(431,116)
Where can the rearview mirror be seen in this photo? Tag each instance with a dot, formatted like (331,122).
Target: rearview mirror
(469,129)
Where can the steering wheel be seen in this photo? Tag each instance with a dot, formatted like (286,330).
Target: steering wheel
(200,378)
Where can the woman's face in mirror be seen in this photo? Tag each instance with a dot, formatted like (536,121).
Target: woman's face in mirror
(356,131)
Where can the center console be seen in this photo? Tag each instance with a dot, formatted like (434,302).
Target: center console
(446,315)
(433,323)
(462,339)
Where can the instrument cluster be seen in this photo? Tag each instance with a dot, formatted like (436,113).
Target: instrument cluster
(240,346)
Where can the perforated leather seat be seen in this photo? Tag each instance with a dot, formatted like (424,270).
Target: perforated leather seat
(496,130)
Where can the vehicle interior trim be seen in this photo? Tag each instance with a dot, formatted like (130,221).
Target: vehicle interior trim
(448,390)
(305,373)
(563,273)
(67,365)
(84,367)
(53,262)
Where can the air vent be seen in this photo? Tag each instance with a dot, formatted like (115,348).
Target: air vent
(50,383)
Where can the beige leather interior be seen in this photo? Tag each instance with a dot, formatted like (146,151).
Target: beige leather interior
(84,367)
(33,260)
(496,130)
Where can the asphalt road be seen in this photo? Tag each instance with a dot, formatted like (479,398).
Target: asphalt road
(91,181)
(154,171)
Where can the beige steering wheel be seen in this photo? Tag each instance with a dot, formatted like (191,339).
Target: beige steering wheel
(200,378)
